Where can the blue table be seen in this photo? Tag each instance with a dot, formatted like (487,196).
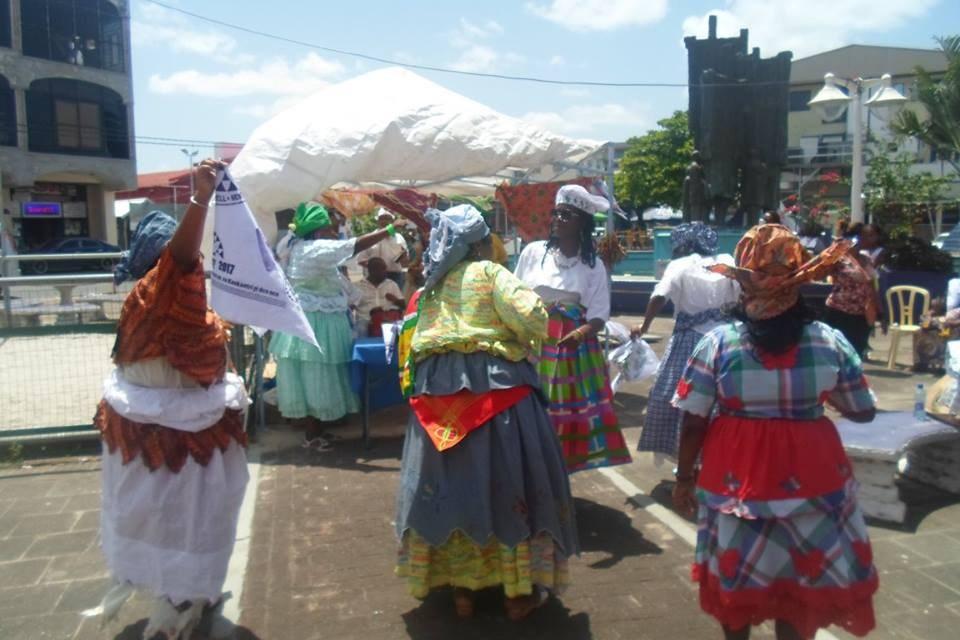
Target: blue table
(369,370)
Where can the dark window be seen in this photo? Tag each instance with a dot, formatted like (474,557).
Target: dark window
(81,32)
(943,154)
(70,116)
(799,100)
(8,115)
(5,23)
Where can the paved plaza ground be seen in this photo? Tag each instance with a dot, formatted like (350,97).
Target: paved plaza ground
(315,557)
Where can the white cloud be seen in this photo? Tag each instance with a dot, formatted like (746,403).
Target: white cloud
(476,58)
(807,27)
(275,77)
(158,26)
(600,15)
(475,55)
(262,111)
(582,120)
(486,30)
(557,61)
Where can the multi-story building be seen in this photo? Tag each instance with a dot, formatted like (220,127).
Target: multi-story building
(816,146)
(66,117)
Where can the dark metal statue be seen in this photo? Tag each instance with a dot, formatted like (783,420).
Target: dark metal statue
(696,192)
(738,117)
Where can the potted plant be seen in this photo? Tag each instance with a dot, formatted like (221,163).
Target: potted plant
(899,200)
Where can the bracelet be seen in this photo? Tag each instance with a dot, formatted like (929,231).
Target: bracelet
(193,200)
(391,229)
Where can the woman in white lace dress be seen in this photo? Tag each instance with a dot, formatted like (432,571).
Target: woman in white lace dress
(699,298)
(313,385)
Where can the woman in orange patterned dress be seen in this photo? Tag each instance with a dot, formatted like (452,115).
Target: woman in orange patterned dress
(171,419)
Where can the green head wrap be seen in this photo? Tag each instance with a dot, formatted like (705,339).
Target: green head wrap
(310,217)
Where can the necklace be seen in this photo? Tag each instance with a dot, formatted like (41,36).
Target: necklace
(562,261)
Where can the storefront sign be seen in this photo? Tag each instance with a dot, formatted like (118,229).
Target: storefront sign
(41,209)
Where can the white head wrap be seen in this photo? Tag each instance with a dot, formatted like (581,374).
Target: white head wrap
(381,213)
(576,196)
(451,234)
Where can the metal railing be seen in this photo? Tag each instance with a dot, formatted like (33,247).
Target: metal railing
(28,257)
(827,152)
(56,337)
(104,260)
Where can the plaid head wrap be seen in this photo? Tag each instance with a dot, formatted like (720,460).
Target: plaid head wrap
(771,266)
(694,237)
(152,234)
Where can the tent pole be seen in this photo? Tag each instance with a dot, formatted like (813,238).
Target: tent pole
(610,225)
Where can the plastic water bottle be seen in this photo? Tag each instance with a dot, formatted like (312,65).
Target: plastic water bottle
(919,398)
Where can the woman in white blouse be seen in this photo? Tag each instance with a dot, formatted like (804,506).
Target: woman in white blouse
(699,298)
(573,284)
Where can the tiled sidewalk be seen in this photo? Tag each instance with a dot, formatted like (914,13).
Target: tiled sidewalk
(322,551)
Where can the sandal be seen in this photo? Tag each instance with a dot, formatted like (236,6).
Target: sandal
(522,606)
(319,443)
(463,602)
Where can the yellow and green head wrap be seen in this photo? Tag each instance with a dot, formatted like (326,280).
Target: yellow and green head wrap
(310,217)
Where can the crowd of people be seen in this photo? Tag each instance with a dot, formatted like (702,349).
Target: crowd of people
(509,394)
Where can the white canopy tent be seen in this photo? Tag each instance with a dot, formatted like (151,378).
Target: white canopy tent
(391,127)
(661,214)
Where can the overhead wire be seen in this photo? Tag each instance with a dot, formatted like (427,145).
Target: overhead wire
(448,70)
(112,136)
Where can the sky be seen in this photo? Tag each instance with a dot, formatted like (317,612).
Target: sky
(201,81)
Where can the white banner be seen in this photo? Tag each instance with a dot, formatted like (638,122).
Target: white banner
(247,285)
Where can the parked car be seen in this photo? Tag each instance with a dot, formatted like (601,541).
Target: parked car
(938,241)
(69,245)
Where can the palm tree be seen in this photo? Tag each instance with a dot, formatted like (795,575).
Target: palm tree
(941,98)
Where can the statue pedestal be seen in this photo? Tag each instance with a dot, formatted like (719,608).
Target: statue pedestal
(727,239)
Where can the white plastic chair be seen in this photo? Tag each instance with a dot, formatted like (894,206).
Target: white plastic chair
(902,317)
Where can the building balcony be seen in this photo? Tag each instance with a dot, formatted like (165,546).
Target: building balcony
(821,151)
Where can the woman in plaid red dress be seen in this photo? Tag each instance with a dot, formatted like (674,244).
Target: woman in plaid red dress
(780,534)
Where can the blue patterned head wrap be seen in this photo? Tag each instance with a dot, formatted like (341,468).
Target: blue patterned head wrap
(451,234)
(151,236)
(693,237)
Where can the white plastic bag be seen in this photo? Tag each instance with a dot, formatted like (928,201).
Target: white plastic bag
(617,332)
(634,361)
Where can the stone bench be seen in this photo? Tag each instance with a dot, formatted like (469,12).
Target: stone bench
(896,444)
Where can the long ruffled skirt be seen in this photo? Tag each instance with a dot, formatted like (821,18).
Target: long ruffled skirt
(577,382)
(803,555)
(494,510)
(316,382)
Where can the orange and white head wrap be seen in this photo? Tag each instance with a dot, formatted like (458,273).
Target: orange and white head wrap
(771,266)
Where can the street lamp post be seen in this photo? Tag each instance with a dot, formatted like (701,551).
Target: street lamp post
(190,156)
(831,103)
